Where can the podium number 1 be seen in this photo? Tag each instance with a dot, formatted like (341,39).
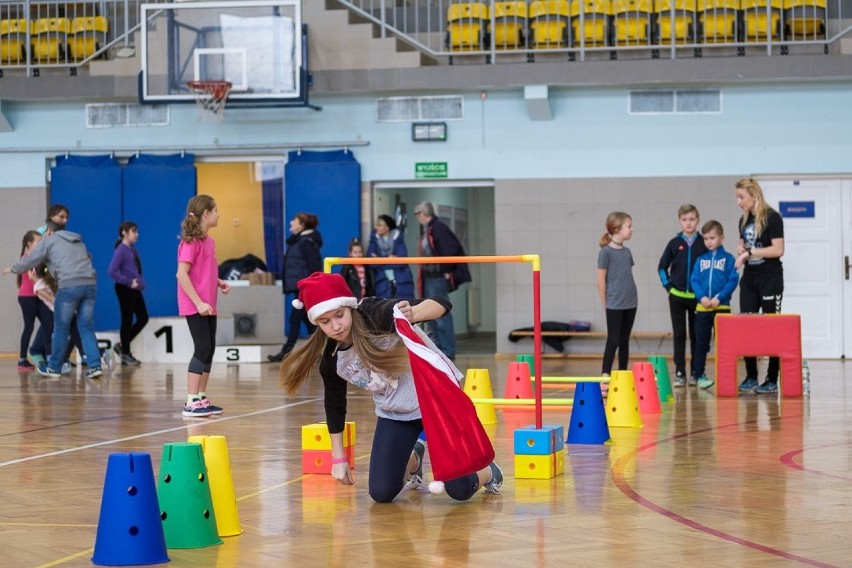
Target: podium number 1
(167,331)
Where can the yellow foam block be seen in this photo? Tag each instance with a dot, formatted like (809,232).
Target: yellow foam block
(316,437)
(540,467)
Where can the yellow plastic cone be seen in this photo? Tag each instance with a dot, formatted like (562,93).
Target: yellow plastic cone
(622,403)
(216,458)
(477,384)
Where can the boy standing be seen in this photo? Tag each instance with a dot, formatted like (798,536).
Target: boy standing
(675,267)
(714,280)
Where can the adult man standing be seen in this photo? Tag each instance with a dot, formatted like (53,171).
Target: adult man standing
(70,264)
(437,239)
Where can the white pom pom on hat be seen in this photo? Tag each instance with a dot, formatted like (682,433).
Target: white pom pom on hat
(436,487)
(297,304)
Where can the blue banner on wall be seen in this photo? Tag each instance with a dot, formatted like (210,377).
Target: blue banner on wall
(796,209)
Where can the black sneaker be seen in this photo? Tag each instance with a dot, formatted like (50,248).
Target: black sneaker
(496,482)
(278,357)
(128,359)
(94,373)
(117,349)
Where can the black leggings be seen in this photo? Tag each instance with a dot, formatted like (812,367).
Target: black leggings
(203,332)
(297,316)
(761,293)
(619,324)
(130,302)
(33,309)
(392,445)
(682,311)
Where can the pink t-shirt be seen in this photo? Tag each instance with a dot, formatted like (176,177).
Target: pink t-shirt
(26,288)
(203,273)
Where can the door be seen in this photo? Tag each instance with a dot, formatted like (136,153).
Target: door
(814,285)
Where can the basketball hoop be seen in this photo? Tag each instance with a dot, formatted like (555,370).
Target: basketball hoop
(210,98)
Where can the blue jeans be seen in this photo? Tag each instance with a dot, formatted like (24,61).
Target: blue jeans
(79,299)
(441,330)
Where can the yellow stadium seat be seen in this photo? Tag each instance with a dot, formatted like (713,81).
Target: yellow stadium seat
(13,40)
(549,24)
(49,39)
(87,36)
(676,21)
(593,28)
(510,22)
(718,20)
(631,21)
(466,26)
(760,24)
(804,19)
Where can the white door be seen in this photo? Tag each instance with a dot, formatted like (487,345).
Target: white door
(846,236)
(814,249)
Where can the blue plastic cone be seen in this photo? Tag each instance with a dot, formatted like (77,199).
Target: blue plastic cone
(588,416)
(130,531)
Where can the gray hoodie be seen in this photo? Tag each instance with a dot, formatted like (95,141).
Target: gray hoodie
(66,257)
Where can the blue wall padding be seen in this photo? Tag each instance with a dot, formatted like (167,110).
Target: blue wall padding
(156,191)
(90,186)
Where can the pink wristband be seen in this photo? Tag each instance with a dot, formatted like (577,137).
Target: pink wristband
(339,460)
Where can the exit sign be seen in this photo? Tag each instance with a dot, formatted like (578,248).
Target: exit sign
(430,170)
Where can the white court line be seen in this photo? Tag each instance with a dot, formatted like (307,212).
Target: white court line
(157,433)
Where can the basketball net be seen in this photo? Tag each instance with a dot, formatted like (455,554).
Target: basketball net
(210,99)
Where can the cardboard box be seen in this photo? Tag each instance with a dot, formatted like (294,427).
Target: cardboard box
(259,278)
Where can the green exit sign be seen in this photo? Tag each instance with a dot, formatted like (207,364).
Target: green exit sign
(430,170)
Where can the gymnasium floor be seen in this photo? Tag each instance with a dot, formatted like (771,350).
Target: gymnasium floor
(753,481)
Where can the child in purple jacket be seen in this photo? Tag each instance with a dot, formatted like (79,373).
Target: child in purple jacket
(126,269)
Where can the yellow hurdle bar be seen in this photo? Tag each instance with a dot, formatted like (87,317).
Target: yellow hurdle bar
(524,401)
(572,380)
(330,261)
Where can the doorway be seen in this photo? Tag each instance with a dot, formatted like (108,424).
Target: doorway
(467,206)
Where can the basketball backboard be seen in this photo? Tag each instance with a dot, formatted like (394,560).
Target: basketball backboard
(256,45)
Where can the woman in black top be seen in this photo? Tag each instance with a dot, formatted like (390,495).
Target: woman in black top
(760,250)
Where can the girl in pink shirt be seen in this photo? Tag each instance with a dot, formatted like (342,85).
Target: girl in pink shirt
(31,307)
(198,285)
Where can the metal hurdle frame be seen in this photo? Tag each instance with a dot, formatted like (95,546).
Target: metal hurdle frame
(533,259)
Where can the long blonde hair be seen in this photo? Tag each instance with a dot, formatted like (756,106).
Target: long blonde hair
(614,222)
(190,228)
(297,366)
(761,209)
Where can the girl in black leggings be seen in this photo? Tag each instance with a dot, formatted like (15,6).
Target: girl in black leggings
(126,269)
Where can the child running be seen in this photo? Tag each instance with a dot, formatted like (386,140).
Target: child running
(356,343)
(126,269)
(714,280)
(198,280)
(617,289)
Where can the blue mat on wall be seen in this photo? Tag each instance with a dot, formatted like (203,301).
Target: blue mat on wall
(156,191)
(327,184)
(90,186)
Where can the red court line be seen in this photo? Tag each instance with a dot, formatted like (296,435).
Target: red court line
(623,485)
(788,460)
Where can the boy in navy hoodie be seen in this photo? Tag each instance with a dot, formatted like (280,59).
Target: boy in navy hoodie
(714,280)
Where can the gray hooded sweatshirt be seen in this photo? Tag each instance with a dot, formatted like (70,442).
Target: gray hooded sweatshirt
(66,257)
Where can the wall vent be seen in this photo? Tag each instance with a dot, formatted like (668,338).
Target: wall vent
(680,102)
(117,115)
(411,109)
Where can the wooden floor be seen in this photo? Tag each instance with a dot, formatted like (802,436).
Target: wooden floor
(753,481)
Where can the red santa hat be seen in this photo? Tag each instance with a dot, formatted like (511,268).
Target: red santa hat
(321,293)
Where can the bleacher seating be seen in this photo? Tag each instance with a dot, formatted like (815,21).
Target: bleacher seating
(631,22)
(49,40)
(590,22)
(13,40)
(510,24)
(804,19)
(87,36)
(466,26)
(762,19)
(676,21)
(719,21)
(549,24)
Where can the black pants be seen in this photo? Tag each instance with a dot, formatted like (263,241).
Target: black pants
(761,292)
(33,309)
(297,316)
(703,336)
(203,332)
(682,311)
(392,445)
(619,324)
(131,303)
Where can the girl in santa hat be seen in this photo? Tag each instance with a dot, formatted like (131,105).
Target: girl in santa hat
(356,343)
